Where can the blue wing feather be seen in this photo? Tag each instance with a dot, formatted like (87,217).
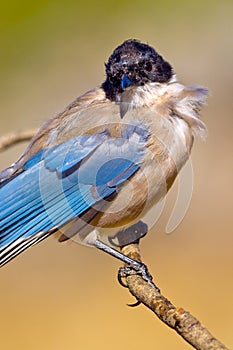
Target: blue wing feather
(62,182)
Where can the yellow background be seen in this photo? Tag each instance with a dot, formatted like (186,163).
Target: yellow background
(58,296)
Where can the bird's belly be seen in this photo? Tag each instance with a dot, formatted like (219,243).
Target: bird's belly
(141,192)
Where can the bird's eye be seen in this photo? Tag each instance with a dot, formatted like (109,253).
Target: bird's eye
(148,66)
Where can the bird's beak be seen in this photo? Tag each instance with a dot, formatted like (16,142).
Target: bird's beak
(125,82)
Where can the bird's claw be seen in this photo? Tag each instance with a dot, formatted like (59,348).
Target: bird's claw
(137,269)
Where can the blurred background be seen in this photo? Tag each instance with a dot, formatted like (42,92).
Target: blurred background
(65,296)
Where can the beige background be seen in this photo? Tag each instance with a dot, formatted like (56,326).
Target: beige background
(58,296)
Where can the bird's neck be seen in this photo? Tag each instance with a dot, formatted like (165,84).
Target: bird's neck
(170,100)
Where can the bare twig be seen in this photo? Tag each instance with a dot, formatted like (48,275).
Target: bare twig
(13,138)
(186,325)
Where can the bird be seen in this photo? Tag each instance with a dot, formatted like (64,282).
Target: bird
(100,165)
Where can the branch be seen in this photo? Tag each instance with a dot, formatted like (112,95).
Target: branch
(13,138)
(186,325)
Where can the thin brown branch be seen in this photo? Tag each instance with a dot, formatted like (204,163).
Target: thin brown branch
(186,325)
(13,138)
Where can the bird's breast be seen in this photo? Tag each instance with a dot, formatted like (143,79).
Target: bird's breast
(166,151)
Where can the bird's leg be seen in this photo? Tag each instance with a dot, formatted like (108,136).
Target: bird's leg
(136,266)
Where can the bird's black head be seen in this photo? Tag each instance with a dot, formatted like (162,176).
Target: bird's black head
(133,64)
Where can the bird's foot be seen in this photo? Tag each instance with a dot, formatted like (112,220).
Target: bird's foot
(135,269)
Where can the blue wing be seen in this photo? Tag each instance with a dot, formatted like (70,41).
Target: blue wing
(63,182)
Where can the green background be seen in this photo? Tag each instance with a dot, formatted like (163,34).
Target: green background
(65,296)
